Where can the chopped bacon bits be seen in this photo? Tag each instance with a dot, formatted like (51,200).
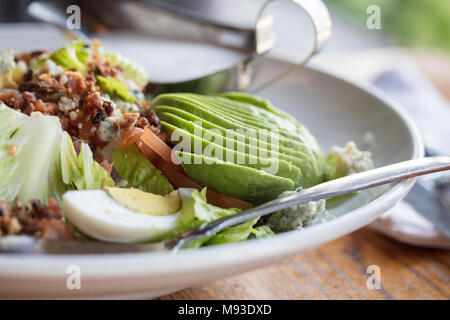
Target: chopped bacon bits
(107,166)
(77,101)
(38,220)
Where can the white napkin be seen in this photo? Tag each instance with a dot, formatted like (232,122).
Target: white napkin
(396,75)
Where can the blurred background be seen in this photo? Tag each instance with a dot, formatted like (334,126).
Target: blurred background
(412,23)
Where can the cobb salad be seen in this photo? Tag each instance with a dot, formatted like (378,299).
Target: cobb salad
(88,151)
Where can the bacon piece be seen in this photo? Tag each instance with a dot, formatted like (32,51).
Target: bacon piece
(107,166)
(39,220)
(180,180)
(130,136)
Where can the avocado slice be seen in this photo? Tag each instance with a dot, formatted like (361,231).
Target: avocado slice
(310,160)
(311,170)
(240,113)
(251,113)
(174,116)
(208,112)
(300,159)
(238,181)
(237,143)
(222,122)
(257,102)
(280,168)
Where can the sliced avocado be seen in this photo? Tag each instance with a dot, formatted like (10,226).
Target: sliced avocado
(208,112)
(280,168)
(251,111)
(258,102)
(300,158)
(246,111)
(172,115)
(222,122)
(241,111)
(311,166)
(241,182)
(238,144)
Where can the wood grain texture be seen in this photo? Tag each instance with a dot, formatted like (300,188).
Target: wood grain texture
(338,271)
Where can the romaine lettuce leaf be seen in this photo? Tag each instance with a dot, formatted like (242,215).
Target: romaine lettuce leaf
(132,69)
(240,232)
(195,211)
(29,156)
(82,172)
(262,231)
(75,55)
(72,56)
(237,233)
(138,172)
(37,159)
(115,88)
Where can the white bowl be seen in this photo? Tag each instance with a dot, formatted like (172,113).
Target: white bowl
(336,111)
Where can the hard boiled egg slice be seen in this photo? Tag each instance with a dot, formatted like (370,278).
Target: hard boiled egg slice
(99,216)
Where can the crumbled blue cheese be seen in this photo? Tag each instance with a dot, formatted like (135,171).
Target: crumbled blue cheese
(11,74)
(49,66)
(126,107)
(368,140)
(73,115)
(134,90)
(6,61)
(350,159)
(106,130)
(298,217)
(66,104)
(20,70)
(63,79)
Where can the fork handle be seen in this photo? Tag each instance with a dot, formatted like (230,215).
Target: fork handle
(349,184)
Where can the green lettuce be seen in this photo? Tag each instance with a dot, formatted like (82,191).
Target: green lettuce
(237,233)
(37,162)
(115,88)
(195,211)
(74,55)
(138,172)
(133,70)
(262,231)
(31,171)
(82,172)
(240,232)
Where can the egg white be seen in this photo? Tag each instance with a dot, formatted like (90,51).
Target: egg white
(99,216)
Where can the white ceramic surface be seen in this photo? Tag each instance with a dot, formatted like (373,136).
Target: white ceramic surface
(335,111)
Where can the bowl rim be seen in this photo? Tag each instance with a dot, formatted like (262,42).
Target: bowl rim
(164,263)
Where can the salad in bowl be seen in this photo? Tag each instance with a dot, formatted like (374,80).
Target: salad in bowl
(88,151)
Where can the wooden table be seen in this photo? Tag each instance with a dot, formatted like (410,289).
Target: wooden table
(337,270)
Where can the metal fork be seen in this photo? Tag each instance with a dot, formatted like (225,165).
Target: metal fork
(360,181)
